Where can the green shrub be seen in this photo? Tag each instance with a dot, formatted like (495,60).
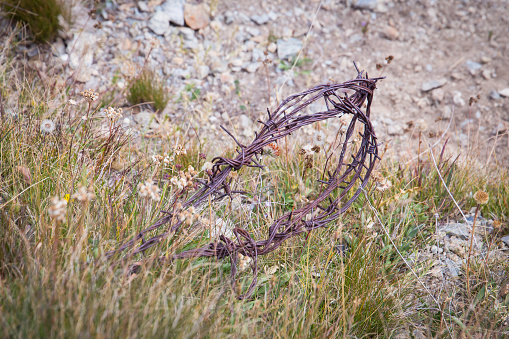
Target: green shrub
(148,88)
(41,16)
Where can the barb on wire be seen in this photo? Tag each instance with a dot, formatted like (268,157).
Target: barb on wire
(286,119)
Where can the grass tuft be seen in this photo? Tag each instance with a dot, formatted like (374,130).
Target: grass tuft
(148,88)
(41,16)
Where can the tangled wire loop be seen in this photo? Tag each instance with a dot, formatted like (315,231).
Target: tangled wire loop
(287,118)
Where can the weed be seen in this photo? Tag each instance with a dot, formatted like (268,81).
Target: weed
(293,63)
(41,16)
(148,88)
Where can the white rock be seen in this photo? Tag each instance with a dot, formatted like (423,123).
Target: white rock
(202,71)
(174,10)
(288,48)
(142,5)
(159,23)
(253,67)
(506,240)
(431,85)
(81,50)
(146,119)
(260,19)
(272,47)
(257,55)
(247,125)
(504,92)
(457,99)
(366,4)
(473,66)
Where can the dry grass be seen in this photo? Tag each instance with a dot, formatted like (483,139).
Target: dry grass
(41,16)
(54,282)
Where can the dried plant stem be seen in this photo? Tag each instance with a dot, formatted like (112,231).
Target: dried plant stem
(472,235)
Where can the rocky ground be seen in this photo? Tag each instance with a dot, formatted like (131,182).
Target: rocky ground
(225,62)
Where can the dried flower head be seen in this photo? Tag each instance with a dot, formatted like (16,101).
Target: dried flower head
(275,149)
(191,171)
(379,67)
(481,197)
(113,113)
(168,159)
(389,59)
(189,217)
(319,138)
(383,185)
(89,95)
(244,262)
(157,159)
(307,150)
(153,43)
(179,149)
(421,125)
(150,190)
(83,194)
(57,209)
(47,126)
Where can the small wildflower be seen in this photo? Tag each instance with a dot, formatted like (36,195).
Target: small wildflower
(189,216)
(57,209)
(207,166)
(308,150)
(83,194)
(72,102)
(175,181)
(168,159)
(271,270)
(158,159)
(481,197)
(203,156)
(191,170)
(179,150)
(244,262)
(149,189)
(276,151)
(421,125)
(47,126)
(113,114)
(153,43)
(384,185)
(318,138)
(90,95)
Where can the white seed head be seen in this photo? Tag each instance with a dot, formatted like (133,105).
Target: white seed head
(57,209)
(149,190)
(47,126)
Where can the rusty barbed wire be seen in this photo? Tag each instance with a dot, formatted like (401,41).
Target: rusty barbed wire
(287,118)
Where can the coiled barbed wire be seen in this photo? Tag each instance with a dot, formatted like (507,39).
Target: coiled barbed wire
(286,119)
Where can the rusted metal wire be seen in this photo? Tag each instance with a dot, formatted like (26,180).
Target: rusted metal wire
(287,118)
